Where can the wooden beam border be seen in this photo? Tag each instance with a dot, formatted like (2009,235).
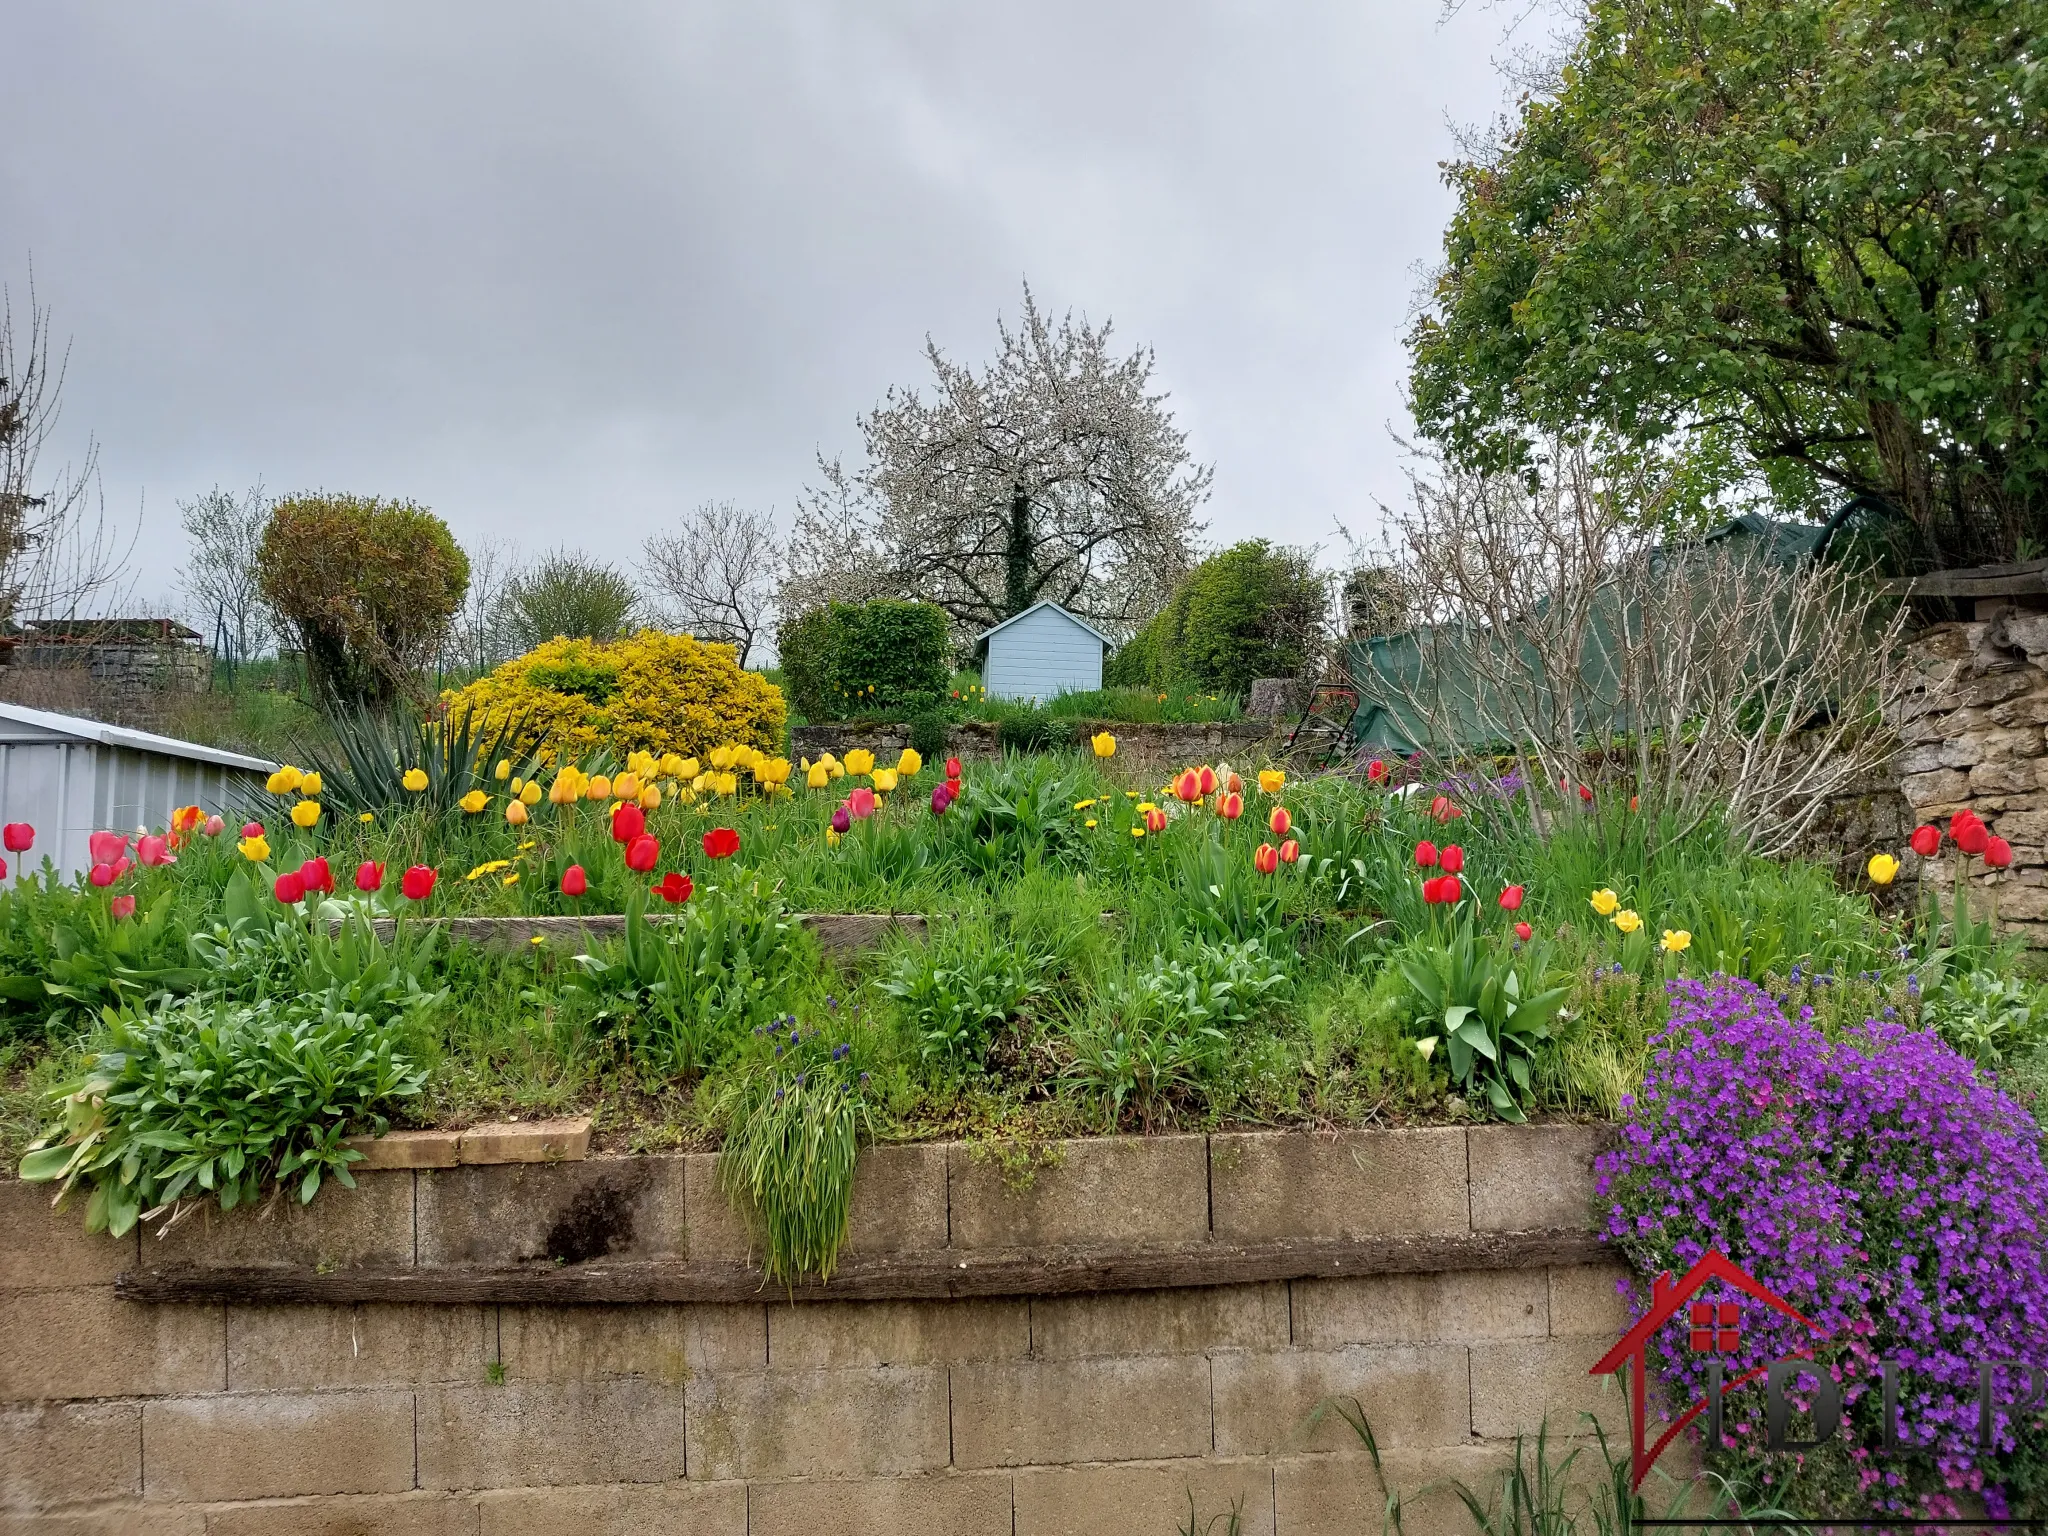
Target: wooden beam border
(934,1275)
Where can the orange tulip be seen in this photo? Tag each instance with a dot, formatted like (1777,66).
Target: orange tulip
(1155,820)
(1289,851)
(1188,787)
(1230,806)
(1234,784)
(1267,859)
(1207,779)
(1280,821)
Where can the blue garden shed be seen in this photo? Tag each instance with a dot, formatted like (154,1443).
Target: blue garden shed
(1040,652)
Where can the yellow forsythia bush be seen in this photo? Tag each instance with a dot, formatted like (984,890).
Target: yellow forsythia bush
(654,692)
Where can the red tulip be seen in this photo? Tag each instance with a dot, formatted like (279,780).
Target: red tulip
(1280,822)
(1635,802)
(1585,793)
(252,829)
(289,888)
(1230,807)
(1155,820)
(642,854)
(1442,890)
(628,822)
(721,843)
(674,888)
(1925,841)
(1997,853)
(952,767)
(317,876)
(3,869)
(417,883)
(1511,899)
(1453,859)
(1188,787)
(120,906)
(953,785)
(1289,851)
(1442,808)
(1375,771)
(153,851)
(1266,859)
(19,836)
(1425,854)
(1524,932)
(369,876)
(1972,836)
(574,881)
(1206,779)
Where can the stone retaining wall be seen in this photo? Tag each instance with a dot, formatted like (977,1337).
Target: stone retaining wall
(1233,741)
(996,1416)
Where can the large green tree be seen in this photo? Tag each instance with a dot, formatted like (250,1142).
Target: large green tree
(1811,235)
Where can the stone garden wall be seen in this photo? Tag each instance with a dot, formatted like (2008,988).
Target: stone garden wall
(1232,741)
(377,1363)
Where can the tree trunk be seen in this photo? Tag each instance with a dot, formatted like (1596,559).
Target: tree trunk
(1017,594)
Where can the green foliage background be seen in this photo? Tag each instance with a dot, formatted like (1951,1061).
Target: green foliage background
(1252,611)
(833,656)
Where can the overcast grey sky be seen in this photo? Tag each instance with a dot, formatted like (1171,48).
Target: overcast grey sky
(558,271)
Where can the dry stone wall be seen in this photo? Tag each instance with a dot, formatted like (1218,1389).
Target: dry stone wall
(1972,734)
(991,1416)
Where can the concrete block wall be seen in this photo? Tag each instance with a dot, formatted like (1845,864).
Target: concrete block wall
(1002,1416)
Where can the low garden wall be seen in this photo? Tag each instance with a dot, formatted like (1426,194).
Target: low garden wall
(1076,1338)
(1169,745)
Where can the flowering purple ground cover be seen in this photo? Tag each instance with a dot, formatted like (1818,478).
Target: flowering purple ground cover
(1886,1191)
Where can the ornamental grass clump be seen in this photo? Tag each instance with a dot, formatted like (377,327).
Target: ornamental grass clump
(1884,1190)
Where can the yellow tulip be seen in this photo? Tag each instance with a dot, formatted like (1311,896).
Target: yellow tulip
(1882,869)
(818,776)
(650,797)
(1604,902)
(688,768)
(1272,780)
(831,838)
(910,764)
(504,768)
(627,786)
(860,761)
(884,779)
(415,779)
(1626,920)
(515,813)
(310,786)
(305,813)
(698,783)
(284,781)
(673,767)
(530,795)
(255,849)
(597,787)
(474,801)
(1677,940)
(565,790)
(641,762)
(516,785)
(1103,743)
(721,758)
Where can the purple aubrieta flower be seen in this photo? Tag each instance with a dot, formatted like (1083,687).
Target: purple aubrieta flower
(1881,1187)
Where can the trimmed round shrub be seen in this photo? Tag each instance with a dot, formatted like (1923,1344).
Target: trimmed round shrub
(1884,1190)
(364,588)
(652,692)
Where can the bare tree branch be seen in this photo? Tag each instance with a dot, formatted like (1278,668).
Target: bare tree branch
(717,572)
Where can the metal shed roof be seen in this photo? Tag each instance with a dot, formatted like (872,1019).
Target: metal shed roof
(21,724)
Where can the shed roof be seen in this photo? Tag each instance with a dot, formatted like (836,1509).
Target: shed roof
(19,723)
(1056,608)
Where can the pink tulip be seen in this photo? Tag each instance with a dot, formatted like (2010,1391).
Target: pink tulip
(152,851)
(862,803)
(122,906)
(106,847)
(214,826)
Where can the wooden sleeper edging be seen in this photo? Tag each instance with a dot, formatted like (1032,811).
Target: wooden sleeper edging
(932,1275)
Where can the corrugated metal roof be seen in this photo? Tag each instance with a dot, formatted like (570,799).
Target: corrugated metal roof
(76,728)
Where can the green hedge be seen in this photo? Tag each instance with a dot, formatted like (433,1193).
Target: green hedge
(880,658)
(1250,612)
